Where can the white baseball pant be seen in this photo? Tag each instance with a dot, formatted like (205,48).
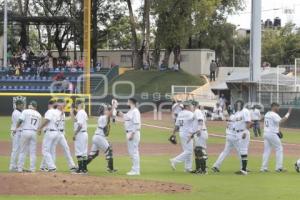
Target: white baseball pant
(244,143)
(271,140)
(99,143)
(81,144)
(232,142)
(28,142)
(133,150)
(187,155)
(200,141)
(48,149)
(15,150)
(61,141)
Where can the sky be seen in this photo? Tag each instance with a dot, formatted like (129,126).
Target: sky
(270,10)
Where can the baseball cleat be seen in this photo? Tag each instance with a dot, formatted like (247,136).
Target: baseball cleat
(131,173)
(297,168)
(13,170)
(43,170)
(241,172)
(215,169)
(172,164)
(281,170)
(73,169)
(196,171)
(52,170)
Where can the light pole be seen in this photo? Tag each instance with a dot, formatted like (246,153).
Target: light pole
(233,45)
(255,49)
(5,35)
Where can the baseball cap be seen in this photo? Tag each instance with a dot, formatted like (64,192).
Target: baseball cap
(19,102)
(60,101)
(33,104)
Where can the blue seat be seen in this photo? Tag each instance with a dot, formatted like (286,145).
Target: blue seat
(4,87)
(9,87)
(21,87)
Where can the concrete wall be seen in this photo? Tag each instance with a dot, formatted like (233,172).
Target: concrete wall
(194,61)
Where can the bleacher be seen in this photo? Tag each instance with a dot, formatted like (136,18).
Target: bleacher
(39,84)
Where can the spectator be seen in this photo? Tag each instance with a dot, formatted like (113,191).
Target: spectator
(213,68)
(256,117)
(217,113)
(222,101)
(98,67)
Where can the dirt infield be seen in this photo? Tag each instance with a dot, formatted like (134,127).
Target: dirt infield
(62,184)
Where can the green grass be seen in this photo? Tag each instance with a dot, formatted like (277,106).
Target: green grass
(224,186)
(155,81)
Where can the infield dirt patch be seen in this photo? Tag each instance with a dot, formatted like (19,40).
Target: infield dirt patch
(63,184)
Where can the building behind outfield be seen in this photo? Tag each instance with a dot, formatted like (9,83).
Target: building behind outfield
(193,61)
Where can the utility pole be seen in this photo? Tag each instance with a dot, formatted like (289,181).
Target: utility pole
(255,49)
(5,35)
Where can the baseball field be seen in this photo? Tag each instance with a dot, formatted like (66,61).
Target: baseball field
(157,180)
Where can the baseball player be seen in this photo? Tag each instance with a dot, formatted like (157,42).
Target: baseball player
(242,124)
(114,106)
(232,142)
(217,113)
(61,136)
(132,124)
(100,142)
(15,135)
(29,122)
(176,109)
(256,117)
(81,137)
(50,127)
(200,135)
(183,124)
(272,136)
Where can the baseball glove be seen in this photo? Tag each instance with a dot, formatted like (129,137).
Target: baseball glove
(280,135)
(173,139)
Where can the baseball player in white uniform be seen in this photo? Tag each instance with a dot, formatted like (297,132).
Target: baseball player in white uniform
(232,142)
(200,135)
(176,109)
(100,142)
(114,106)
(50,127)
(61,141)
(183,124)
(132,125)
(242,124)
(217,113)
(48,139)
(272,137)
(81,137)
(29,121)
(15,135)
(256,117)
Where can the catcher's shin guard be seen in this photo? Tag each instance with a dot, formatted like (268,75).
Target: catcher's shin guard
(244,162)
(80,163)
(84,164)
(200,158)
(109,158)
(92,156)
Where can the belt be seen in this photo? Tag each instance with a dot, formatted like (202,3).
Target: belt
(129,131)
(53,130)
(61,130)
(204,130)
(83,131)
(239,131)
(29,130)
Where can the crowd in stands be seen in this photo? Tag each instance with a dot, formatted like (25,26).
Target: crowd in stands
(27,62)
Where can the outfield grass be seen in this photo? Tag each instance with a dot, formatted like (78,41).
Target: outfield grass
(155,81)
(224,186)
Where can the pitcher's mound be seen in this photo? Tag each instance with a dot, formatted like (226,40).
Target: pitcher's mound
(63,184)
